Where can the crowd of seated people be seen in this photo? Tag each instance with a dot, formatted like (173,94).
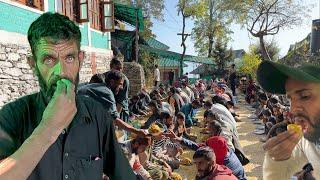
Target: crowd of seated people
(271,111)
(167,115)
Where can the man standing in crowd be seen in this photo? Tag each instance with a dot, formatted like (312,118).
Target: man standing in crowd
(171,77)
(56,133)
(287,152)
(233,79)
(205,161)
(103,89)
(122,98)
(156,76)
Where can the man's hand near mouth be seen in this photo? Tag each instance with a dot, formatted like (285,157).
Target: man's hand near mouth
(61,109)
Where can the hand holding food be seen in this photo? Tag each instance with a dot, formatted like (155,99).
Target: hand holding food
(295,127)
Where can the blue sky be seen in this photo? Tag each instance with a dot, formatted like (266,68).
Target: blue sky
(166,31)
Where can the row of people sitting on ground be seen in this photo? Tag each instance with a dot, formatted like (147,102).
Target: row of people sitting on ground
(176,126)
(270,109)
(169,100)
(170,136)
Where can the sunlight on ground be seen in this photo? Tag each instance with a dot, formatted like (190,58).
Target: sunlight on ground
(249,141)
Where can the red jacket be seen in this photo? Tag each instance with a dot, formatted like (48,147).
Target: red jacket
(219,145)
(219,172)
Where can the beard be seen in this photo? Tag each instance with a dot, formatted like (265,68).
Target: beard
(135,151)
(49,90)
(313,135)
(204,173)
(115,91)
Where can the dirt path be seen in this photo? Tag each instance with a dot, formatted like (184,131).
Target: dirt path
(249,141)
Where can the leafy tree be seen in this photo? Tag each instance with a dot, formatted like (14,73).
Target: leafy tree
(150,8)
(267,17)
(221,55)
(212,22)
(272,49)
(187,9)
(250,63)
(147,62)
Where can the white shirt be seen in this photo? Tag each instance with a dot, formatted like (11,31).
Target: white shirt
(156,74)
(189,92)
(225,113)
(304,152)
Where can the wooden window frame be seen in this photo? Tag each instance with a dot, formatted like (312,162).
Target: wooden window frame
(65,12)
(94,15)
(103,16)
(79,12)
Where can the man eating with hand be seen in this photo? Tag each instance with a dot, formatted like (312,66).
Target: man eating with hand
(289,151)
(55,133)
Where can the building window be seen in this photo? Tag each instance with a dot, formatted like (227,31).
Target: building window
(37,4)
(107,16)
(82,11)
(94,12)
(65,7)
(100,13)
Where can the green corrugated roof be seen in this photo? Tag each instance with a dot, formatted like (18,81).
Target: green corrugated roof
(129,14)
(176,56)
(166,62)
(152,42)
(203,69)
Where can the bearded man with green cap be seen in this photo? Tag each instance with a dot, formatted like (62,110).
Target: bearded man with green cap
(288,152)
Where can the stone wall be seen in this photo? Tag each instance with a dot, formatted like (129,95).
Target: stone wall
(135,74)
(95,62)
(17,78)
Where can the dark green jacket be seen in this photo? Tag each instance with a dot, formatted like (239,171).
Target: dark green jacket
(86,150)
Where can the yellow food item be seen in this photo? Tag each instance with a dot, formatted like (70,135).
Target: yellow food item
(186,161)
(295,127)
(204,138)
(154,129)
(176,176)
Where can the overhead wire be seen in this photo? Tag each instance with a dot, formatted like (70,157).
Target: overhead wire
(171,15)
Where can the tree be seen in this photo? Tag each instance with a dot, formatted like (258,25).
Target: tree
(267,17)
(221,55)
(147,60)
(212,22)
(150,9)
(186,9)
(250,63)
(272,49)
(182,6)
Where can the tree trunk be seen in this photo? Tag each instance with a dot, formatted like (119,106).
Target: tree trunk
(210,36)
(210,45)
(265,55)
(183,44)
